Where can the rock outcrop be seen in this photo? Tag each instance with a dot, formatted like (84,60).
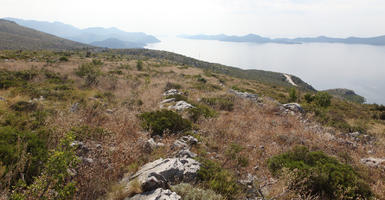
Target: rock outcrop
(158,194)
(180,106)
(245,95)
(171,92)
(373,162)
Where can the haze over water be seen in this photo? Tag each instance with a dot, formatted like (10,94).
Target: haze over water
(324,66)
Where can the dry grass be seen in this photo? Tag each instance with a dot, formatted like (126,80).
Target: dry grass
(258,129)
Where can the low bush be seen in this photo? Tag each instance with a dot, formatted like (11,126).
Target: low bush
(55,181)
(199,111)
(315,173)
(221,103)
(24,106)
(63,59)
(218,179)
(189,192)
(161,121)
(13,79)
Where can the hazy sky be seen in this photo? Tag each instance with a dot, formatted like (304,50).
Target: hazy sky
(274,18)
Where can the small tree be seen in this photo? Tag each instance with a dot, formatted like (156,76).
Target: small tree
(293,95)
(322,99)
(139,65)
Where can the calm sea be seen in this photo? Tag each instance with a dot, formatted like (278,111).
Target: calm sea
(324,66)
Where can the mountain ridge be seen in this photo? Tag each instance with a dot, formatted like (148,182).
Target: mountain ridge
(14,36)
(87,35)
(377,40)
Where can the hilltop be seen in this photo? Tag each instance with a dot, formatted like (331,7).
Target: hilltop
(13,36)
(134,124)
(347,94)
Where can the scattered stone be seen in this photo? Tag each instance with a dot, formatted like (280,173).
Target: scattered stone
(109,111)
(245,95)
(249,180)
(354,134)
(185,153)
(180,106)
(2,99)
(88,160)
(189,140)
(158,194)
(150,145)
(295,107)
(167,101)
(74,107)
(373,162)
(171,92)
(81,149)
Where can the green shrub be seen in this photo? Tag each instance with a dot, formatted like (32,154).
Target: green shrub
(161,121)
(24,106)
(308,97)
(200,110)
(189,192)
(218,179)
(63,59)
(13,79)
(221,103)
(322,99)
(55,181)
(316,173)
(22,150)
(293,95)
(88,69)
(139,65)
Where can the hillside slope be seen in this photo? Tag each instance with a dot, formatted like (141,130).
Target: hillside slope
(110,125)
(13,36)
(267,77)
(346,94)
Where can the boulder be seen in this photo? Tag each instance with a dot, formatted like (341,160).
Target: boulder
(158,194)
(2,99)
(161,172)
(295,107)
(167,101)
(245,95)
(171,92)
(373,162)
(180,106)
(150,145)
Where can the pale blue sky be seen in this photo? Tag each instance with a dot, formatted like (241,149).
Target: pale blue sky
(274,18)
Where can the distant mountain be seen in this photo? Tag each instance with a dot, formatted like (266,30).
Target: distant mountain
(380,40)
(346,94)
(88,35)
(114,43)
(14,36)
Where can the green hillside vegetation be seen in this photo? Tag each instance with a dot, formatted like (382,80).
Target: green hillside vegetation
(13,36)
(262,76)
(346,94)
(73,123)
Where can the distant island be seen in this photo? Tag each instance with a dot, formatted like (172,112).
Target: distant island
(96,36)
(253,38)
